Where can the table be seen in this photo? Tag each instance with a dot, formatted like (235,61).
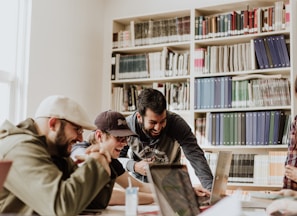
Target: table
(229,206)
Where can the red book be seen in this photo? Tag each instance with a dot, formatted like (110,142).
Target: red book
(246,22)
(256,20)
(251,21)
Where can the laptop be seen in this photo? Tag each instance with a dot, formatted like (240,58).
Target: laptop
(173,189)
(4,169)
(220,179)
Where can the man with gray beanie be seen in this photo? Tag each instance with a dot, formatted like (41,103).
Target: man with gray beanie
(43,179)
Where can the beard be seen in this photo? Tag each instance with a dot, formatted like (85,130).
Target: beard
(148,132)
(61,144)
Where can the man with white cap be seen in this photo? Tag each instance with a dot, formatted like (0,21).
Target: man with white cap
(43,179)
(112,134)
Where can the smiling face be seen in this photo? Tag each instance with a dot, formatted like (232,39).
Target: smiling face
(112,144)
(152,124)
(66,134)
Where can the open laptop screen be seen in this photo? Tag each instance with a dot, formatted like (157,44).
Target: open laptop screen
(173,189)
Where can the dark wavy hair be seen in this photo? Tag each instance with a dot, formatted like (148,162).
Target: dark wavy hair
(151,99)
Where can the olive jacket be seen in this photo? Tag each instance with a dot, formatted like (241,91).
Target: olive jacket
(42,185)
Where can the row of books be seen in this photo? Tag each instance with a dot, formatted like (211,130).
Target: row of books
(166,63)
(226,58)
(254,168)
(247,91)
(140,33)
(177,94)
(259,53)
(271,52)
(248,21)
(243,128)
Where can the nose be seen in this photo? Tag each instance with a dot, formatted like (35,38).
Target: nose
(157,127)
(80,137)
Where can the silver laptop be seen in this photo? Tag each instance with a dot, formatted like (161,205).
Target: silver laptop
(4,169)
(173,189)
(220,180)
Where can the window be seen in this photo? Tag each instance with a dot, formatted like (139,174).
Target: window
(15,18)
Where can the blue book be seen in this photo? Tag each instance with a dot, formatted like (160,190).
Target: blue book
(282,41)
(272,49)
(209,128)
(197,96)
(211,92)
(249,128)
(258,53)
(222,92)
(217,92)
(201,93)
(276,127)
(261,127)
(263,53)
(267,126)
(255,132)
(277,44)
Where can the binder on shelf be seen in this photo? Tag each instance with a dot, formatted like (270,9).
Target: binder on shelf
(258,52)
(263,52)
(273,50)
(280,54)
(285,50)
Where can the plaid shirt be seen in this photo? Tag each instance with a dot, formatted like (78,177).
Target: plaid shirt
(292,156)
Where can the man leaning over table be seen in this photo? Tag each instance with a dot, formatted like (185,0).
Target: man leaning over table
(161,136)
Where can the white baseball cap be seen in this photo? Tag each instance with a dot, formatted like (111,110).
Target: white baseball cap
(62,107)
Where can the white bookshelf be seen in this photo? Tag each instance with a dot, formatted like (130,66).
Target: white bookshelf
(190,44)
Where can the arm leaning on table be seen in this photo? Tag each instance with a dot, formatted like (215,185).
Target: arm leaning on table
(145,195)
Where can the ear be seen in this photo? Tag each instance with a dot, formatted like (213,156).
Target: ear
(52,123)
(98,134)
(139,118)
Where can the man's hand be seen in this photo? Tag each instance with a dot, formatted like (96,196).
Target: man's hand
(287,193)
(100,154)
(291,172)
(284,206)
(141,166)
(201,191)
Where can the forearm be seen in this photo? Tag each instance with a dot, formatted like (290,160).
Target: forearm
(118,197)
(145,198)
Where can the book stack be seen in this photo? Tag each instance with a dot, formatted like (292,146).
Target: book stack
(248,91)
(177,95)
(261,169)
(269,169)
(148,32)
(246,21)
(245,128)
(242,168)
(271,52)
(223,59)
(165,63)
(131,66)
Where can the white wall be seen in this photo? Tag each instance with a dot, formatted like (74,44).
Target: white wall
(71,46)
(66,52)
